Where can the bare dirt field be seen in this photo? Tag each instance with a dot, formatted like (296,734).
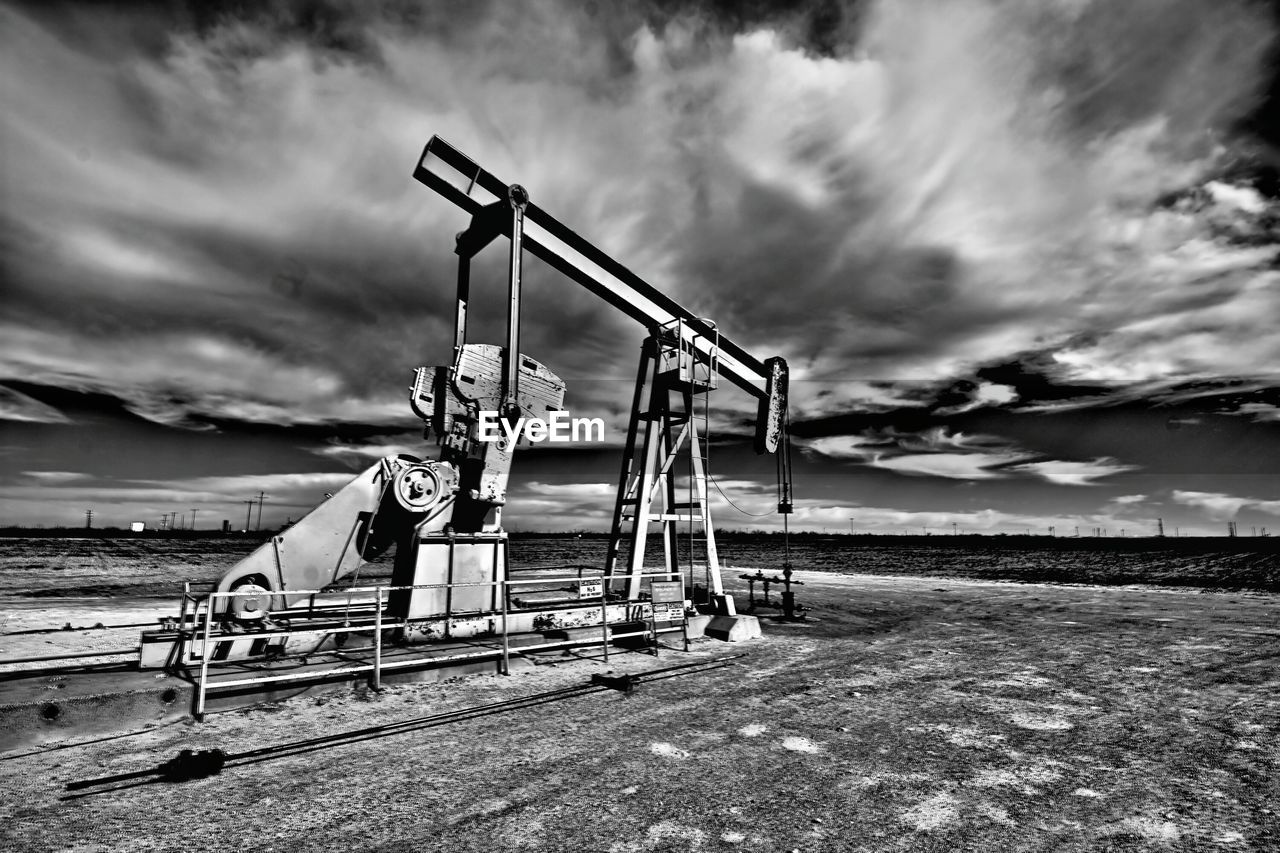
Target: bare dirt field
(155,565)
(907,714)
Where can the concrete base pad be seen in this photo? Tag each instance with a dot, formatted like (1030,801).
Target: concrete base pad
(734,629)
(40,709)
(698,626)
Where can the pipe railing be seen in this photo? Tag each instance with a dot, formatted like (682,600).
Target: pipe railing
(378,665)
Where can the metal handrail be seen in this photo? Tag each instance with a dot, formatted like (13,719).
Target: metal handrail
(385,588)
(299,676)
(378,666)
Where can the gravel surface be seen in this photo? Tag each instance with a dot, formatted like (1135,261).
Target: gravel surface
(906,714)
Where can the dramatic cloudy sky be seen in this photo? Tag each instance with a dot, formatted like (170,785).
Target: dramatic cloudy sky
(1021,254)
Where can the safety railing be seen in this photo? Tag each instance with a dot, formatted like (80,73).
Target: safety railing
(204,627)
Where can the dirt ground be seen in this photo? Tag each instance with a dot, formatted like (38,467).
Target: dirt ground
(906,714)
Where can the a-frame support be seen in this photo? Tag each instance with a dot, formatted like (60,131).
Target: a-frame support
(664,442)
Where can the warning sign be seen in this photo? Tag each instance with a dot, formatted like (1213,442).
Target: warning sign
(590,588)
(667,592)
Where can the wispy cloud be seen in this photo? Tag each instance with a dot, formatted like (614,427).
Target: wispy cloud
(935,452)
(860,447)
(980,395)
(54,477)
(572,491)
(16,406)
(938,452)
(1075,473)
(874,442)
(363,454)
(1260,412)
(1221,507)
(957,466)
(816,397)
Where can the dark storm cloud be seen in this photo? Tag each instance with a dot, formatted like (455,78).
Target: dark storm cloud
(24,401)
(209,217)
(941,202)
(884,201)
(204,213)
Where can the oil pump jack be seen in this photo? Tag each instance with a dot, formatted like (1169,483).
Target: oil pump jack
(451,578)
(680,361)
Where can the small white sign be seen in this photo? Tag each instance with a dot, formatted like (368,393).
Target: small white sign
(666,592)
(590,589)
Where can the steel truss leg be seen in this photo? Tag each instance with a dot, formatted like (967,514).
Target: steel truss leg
(656,437)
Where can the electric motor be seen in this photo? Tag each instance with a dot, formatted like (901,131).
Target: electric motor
(251,604)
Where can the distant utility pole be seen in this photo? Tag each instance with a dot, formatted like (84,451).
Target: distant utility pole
(173,516)
(88,518)
(261,497)
(1160,527)
(850,525)
(193,518)
(163,521)
(248,513)
(1231,529)
(954,530)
